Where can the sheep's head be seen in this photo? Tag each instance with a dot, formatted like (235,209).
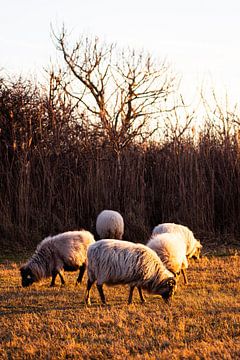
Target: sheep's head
(27,276)
(196,252)
(167,288)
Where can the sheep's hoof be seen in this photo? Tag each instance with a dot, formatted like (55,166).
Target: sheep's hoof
(88,302)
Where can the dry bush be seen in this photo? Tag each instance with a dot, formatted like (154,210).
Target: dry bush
(57,174)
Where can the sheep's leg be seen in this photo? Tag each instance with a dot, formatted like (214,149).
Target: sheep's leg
(87,294)
(185,276)
(130,294)
(141,295)
(61,278)
(81,273)
(101,293)
(54,275)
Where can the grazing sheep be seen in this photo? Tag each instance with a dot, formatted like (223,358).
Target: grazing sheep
(66,251)
(110,225)
(193,246)
(121,262)
(171,249)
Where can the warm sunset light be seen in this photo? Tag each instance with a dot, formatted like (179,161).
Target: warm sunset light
(199,39)
(119,180)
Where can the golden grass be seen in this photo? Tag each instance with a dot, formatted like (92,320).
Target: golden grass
(203,321)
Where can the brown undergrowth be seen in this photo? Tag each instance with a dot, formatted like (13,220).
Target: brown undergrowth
(54,323)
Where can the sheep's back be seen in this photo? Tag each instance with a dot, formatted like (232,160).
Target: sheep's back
(69,247)
(110,224)
(181,230)
(171,249)
(114,262)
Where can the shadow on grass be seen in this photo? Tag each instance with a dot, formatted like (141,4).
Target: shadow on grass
(39,309)
(32,302)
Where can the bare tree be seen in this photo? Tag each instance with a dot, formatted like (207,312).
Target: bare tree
(122,93)
(221,116)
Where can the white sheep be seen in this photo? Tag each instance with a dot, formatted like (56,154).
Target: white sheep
(114,262)
(193,246)
(171,249)
(110,225)
(66,251)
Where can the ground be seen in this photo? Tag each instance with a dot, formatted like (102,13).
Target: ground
(202,322)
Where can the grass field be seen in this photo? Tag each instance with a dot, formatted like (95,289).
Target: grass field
(203,321)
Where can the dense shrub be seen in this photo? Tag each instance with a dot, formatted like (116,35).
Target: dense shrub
(57,174)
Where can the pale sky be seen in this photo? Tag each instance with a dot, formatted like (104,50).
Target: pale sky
(201,40)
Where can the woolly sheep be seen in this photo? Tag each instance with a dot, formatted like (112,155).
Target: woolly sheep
(193,246)
(171,249)
(66,251)
(114,262)
(110,225)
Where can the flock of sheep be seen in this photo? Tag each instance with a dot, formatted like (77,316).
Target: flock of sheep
(153,267)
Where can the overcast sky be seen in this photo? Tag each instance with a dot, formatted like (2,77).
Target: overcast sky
(199,39)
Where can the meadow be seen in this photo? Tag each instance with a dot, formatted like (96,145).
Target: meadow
(202,322)
(57,173)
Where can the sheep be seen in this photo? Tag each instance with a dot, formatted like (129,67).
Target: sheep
(193,246)
(110,224)
(171,249)
(66,251)
(114,262)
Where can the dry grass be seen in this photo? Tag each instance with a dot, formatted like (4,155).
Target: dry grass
(202,322)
